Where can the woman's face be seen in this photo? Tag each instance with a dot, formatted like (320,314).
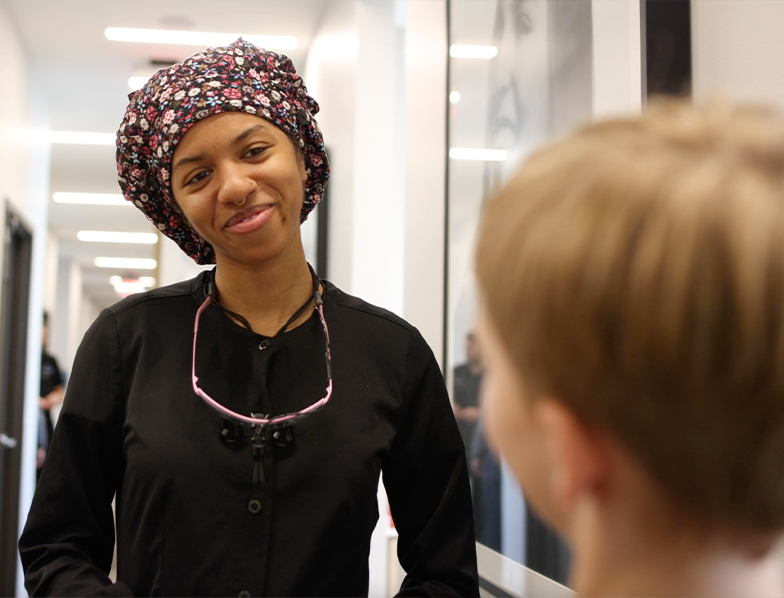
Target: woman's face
(240,183)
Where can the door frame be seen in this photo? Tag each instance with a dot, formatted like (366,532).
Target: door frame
(14,317)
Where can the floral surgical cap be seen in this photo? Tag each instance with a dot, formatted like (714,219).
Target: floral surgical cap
(239,77)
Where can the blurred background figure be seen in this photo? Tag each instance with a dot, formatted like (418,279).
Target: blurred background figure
(486,485)
(467,380)
(51,394)
(485,471)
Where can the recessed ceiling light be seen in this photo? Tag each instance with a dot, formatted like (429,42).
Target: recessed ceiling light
(465,51)
(197,38)
(126,263)
(91,199)
(105,236)
(487,155)
(454,97)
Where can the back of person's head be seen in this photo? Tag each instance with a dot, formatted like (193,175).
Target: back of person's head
(635,271)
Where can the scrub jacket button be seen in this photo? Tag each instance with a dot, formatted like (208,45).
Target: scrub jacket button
(263,345)
(254,506)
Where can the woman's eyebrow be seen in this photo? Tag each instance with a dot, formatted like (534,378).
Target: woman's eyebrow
(187,160)
(244,135)
(239,139)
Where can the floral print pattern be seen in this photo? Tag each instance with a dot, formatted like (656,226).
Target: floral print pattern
(238,77)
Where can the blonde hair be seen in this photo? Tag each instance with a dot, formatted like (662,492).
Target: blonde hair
(635,270)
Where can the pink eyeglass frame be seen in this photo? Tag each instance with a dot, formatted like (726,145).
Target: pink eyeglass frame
(261,421)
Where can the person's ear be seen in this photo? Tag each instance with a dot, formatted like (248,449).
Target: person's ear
(577,454)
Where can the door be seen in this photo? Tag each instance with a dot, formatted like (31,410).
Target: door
(13,352)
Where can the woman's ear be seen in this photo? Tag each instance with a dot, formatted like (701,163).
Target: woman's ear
(576,451)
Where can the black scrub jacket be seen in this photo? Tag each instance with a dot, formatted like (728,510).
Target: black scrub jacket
(190,520)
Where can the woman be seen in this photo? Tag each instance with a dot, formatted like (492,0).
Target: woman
(207,406)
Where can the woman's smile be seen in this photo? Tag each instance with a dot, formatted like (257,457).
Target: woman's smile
(250,219)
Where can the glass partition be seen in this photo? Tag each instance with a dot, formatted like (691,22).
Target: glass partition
(520,72)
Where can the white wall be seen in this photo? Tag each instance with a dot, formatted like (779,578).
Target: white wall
(737,47)
(378,176)
(59,344)
(24,184)
(425,169)
(173,264)
(69,326)
(617,63)
(331,75)
(378,70)
(13,115)
(50,280)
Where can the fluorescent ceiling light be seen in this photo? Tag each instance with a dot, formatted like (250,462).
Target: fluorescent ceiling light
(126,263)
(78,138)
(454,97)
(105,236)
(65,137)
(136,82)
(197,38)
(91,199)
(467,153)
(462,51)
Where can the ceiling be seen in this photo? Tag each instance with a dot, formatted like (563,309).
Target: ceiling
(80,81)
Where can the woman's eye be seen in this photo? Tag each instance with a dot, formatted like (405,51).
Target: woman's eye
(254,151)
(197,177)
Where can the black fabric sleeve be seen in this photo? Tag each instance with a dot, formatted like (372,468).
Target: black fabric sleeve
(426,480)
(68,541)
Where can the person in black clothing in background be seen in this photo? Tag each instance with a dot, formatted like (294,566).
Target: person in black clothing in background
(51,394)
(466,380)
(483,468)
(207,407)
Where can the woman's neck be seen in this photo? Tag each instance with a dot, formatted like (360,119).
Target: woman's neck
(266,294)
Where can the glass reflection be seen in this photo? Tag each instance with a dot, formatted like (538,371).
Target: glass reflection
(537,85)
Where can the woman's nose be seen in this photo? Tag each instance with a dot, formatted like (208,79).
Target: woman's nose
(235,185)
